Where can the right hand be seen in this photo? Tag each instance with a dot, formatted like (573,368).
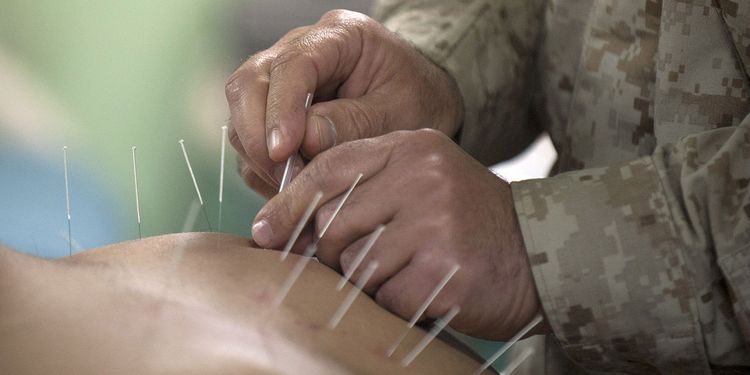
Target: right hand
(366,82)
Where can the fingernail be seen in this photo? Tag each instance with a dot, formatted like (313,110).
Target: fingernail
(327,133)
(262,233)
(274,140)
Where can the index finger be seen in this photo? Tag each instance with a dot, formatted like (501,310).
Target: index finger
(331,173)
(318,60)
(246,92)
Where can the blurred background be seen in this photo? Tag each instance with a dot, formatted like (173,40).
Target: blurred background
(103,76)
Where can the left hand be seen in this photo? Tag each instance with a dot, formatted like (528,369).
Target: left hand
(441,208)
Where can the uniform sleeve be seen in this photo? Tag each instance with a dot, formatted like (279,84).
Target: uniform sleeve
(645,266)
(488,48)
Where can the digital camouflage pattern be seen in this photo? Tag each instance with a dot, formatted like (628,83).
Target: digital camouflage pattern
(640,242)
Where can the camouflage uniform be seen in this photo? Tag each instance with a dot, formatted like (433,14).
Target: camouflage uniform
(640,242)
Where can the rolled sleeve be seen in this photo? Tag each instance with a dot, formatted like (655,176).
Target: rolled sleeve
(609,269)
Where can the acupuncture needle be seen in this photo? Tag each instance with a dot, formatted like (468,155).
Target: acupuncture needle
(424,307)
(528,327)
(192,216)
(301,224)
(347,303)
(289,167)
(438,327)
(294,274)
(310,251)
(195,183)
(361,256)
(137,197)
(224,132)
(67,199)
(76,246)
(343,200)
(512,366)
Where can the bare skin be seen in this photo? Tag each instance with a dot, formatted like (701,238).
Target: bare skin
(380,109)
(441,208)
(366,80)
(120,309)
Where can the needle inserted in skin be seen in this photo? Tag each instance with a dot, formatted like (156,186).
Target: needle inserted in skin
(294,274)
(195,183)
(187,226)
(424,307)
(438,327)
(339,314)
(67,199)
(338,208)
(137,197)
(224,132)
(517,362)
(361,256)
(310,251)
(192,216)
(528,327)
(289,167)
(301,224)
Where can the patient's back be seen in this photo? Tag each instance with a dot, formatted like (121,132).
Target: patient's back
(237,282)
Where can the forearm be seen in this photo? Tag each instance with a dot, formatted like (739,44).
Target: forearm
(663,238)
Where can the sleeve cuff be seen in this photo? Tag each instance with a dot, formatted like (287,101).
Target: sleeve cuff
(610,270)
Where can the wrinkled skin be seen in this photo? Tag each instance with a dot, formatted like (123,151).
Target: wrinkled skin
(366,82)
(440,206)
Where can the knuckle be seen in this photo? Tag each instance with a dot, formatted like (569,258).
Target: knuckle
(366,122)
(347,18)
(337,15)
(281,213)
(234,87)
(250,72)
(430,137)
(389,297)
(285,58)
(324,164)
(435,173)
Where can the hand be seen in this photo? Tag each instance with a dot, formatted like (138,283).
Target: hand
(441,208)
(366,81)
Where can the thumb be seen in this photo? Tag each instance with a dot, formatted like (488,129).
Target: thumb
(339,121)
